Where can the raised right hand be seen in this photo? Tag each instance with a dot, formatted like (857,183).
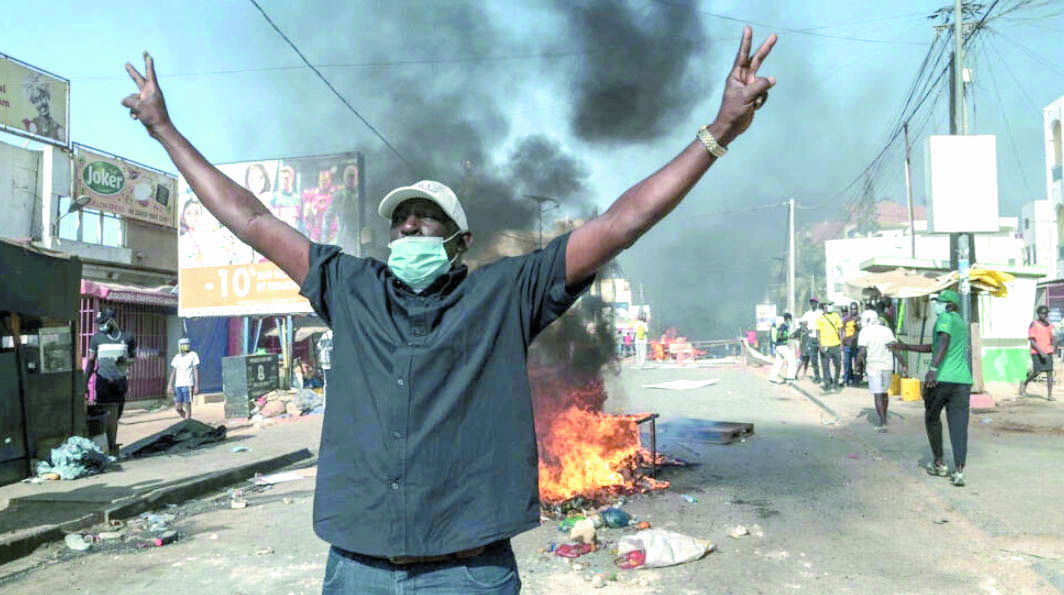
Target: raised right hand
(147,105)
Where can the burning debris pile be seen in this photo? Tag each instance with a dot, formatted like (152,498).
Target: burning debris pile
(584,453)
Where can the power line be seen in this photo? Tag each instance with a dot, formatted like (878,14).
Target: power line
(811,32)
(1008,128)
(330,86)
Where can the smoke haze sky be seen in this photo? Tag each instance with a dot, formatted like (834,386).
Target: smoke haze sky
(572,99)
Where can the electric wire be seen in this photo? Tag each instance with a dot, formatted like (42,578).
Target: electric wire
(1008,129)
(331,87)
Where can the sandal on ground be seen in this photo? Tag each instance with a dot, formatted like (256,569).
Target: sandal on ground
(937,470)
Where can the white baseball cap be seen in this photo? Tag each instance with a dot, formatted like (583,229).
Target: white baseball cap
(431,190)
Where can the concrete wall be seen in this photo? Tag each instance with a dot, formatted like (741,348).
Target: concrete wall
(1038,224)
(19,191)
(152,246)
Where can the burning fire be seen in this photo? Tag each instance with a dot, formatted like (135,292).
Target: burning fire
(585,452)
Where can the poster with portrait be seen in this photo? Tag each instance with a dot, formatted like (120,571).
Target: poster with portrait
(56,349)
(123,187)
(33,102)
(221,276)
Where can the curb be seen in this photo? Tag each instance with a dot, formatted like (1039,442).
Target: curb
(24,544)
(817,402)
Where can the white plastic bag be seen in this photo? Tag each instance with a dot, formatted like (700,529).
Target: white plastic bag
(664,548)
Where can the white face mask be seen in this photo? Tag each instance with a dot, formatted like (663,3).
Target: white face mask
(940,308)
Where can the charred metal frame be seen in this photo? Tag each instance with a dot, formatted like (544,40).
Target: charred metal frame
(653,441)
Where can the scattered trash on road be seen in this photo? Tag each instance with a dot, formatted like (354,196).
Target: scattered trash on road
(76,457)
(78,542)
(572,550)
(583,532)
(597,582)
(264,551)
(166,538)
(567,524)
(238,503)
(689,498)
(661,548)
(941,521)
(757,531)
(642,525)
(683,384)
(107,535)
(241,449)
(615,517)
(738,531)
(276,478)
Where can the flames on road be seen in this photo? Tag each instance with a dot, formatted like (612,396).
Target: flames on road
(584,452)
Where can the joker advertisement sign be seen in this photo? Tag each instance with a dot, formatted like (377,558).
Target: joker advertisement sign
(123,187)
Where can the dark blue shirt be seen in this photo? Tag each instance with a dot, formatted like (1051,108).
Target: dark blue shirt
(428,444)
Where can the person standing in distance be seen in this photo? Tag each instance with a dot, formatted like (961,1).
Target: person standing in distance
(111,351)
(184,377)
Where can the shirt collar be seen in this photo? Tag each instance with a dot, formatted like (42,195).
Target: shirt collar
(443,285)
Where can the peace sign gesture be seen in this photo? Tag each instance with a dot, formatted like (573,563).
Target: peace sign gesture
(147,105)
(744,91)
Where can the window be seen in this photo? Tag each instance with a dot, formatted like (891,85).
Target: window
(91,226)
(1027,223)
(1058,151)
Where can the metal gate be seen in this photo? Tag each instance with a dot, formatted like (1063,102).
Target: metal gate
(147,373)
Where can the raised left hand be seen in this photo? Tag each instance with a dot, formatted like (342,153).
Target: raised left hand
(744,91)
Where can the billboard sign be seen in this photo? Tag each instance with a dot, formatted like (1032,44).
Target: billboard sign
(123,187)
(34,103)
(221,276)
(765,314)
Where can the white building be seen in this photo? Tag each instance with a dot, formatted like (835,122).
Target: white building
(1052,115)
(843,258)
(1038,227)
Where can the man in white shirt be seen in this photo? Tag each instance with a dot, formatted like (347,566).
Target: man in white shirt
(184,378)
(877,359)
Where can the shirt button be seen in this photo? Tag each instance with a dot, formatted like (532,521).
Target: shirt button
(395,484)
(395,435)
(400,381)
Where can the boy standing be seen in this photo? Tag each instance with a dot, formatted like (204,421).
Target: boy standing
(1040,334)
(184,378)
(874,354)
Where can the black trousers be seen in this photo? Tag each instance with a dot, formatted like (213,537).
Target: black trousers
(956,398)
(831,355)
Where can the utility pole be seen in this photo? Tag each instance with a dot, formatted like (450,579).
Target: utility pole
(540,201)
(961,244)
(790,257)
(909,192)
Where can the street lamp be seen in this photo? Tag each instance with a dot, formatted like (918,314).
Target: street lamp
(75,205)
(540,201)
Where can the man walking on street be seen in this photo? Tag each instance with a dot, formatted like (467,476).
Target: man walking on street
(428,462)
(184,378)
(873,344)
(948,384)
(1040,335)
(829,335)
(810,318)
(784,353)
(111,351)
(640,329)
(850,327)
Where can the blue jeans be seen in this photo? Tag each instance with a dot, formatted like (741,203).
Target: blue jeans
(493,572)
(849,354)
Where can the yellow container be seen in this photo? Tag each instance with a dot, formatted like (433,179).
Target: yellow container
(895,385)
(910,389)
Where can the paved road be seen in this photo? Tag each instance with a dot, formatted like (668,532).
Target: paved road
(843,508)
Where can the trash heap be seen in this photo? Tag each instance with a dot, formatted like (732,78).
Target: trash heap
(645,547)
(288,403)
(76,457)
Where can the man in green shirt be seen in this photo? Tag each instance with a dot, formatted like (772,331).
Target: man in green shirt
(948,384)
